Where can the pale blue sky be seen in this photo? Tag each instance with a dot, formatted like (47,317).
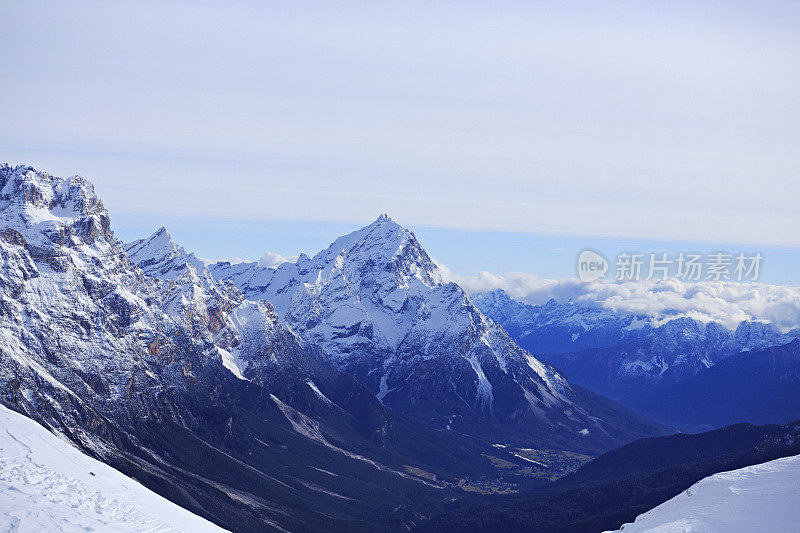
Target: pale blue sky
(463,251)
(608,122)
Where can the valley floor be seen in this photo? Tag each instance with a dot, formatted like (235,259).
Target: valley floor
(46,484)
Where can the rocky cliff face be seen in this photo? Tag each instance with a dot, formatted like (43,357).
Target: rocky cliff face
(83,325)
(187,290)
(80,334)
(252,342)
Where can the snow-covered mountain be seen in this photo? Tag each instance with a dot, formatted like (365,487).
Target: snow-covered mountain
(46,484)
(561,327)
(136,371)
(85,348)
(251,340)
(188,291)
(241,330)
(755,498)
(564,327)
(376,303)
(725,302)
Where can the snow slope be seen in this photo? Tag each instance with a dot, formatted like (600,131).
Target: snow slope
(756,498)
(48,485)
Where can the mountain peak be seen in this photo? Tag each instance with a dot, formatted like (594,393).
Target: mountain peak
(160,257)
(375,302)
(386,243)
(43,207)
(160,242)
(383,225)
(162,232)
(159,245)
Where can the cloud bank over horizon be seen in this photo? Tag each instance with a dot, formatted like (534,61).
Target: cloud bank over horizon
(725,302)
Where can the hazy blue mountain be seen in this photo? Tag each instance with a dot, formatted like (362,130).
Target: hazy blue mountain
(561,327)
(759,386)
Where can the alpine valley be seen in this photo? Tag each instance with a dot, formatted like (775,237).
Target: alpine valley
(352,390)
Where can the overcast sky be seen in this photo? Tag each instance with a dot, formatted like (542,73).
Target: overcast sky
(647,120)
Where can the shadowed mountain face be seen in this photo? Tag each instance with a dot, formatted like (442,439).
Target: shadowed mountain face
(758,386)
(674,352)
(375,302)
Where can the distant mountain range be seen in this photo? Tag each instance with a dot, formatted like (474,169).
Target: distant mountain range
(759,386)
(671,353)
(662,370)
(561,327)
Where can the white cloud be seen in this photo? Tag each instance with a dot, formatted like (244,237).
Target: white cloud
(724,302)
(520,285)
(271,259)
(231,260)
